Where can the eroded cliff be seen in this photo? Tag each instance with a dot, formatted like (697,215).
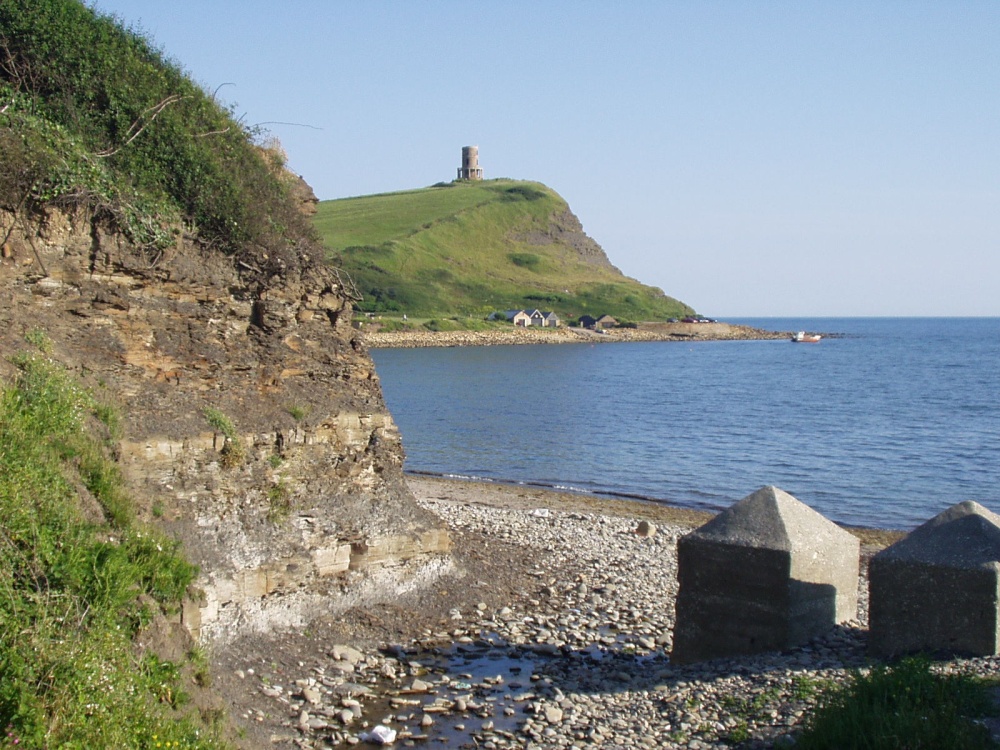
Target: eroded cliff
(311,513)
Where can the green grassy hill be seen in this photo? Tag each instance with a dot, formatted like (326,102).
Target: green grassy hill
(470,248)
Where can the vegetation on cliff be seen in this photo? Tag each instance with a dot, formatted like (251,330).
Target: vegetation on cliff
(94,117)
(92,114)
(466,249)
(80,578)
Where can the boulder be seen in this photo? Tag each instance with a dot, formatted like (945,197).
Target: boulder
(767,574)
(937,588)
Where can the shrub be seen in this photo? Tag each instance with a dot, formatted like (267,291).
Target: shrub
(436,324)
(233,452)
(523,193)
(524,260)
(96,115)
(279,502)
(298,413)
(901,706)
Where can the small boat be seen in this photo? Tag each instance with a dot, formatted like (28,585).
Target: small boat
(806,338)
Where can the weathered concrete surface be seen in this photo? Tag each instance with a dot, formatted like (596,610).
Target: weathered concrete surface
(937,589)
(767,574)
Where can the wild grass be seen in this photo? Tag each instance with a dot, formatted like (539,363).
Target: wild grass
(233,451)
(93,113)
(462,251)
(905,706)
(74,592)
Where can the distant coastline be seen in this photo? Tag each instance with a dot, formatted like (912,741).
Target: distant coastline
(530,335)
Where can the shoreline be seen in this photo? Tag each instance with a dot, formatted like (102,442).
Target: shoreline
(549,624)
(512,336)
(514,496)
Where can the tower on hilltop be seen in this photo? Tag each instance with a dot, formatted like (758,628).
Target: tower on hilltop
(470,169)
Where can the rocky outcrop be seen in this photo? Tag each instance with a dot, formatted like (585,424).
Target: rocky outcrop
(312,508)
(566,229)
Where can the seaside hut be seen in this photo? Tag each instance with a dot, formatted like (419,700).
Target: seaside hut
(519,318)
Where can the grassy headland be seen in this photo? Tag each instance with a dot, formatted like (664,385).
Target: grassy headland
(466,249)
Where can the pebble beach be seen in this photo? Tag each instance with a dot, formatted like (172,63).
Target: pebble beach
(573,652)
(516,336)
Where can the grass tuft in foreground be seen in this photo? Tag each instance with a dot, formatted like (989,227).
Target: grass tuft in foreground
(75,590)
(904,706)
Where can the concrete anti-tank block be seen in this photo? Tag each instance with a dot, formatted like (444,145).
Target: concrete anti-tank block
(767,574)
(937,588)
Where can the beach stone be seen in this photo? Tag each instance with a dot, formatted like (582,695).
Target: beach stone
(767,574)
(645,529)
(347,653)
(937,588)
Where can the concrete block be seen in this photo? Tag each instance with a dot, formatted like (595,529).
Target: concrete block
(767,574)
(937,589)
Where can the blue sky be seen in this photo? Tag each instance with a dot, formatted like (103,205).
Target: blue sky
(749,158)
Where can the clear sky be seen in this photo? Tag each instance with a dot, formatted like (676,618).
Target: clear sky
(749,158)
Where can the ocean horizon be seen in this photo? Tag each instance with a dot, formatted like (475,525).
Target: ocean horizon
(884,423)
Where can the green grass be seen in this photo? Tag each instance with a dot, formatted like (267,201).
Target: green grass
(461,250)
(233,451)
(901,707)
(93,113)
(75,592)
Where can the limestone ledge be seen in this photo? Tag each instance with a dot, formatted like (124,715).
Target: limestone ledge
(266,584)
(349,428)
(217,617)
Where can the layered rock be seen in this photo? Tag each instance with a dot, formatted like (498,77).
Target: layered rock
(316,490)
(565,229)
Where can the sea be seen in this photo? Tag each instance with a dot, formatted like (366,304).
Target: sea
(883,423)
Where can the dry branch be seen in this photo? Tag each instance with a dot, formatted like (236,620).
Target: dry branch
(156,109)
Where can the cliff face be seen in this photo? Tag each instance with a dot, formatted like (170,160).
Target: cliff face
(565,229)
(315,515)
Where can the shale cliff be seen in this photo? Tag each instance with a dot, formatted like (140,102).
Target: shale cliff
(302,509)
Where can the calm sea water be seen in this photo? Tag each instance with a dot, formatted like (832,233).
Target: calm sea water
(885,425)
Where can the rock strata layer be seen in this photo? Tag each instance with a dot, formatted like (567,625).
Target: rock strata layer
(286,512)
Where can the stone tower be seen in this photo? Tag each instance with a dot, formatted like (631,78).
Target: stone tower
(470,169)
